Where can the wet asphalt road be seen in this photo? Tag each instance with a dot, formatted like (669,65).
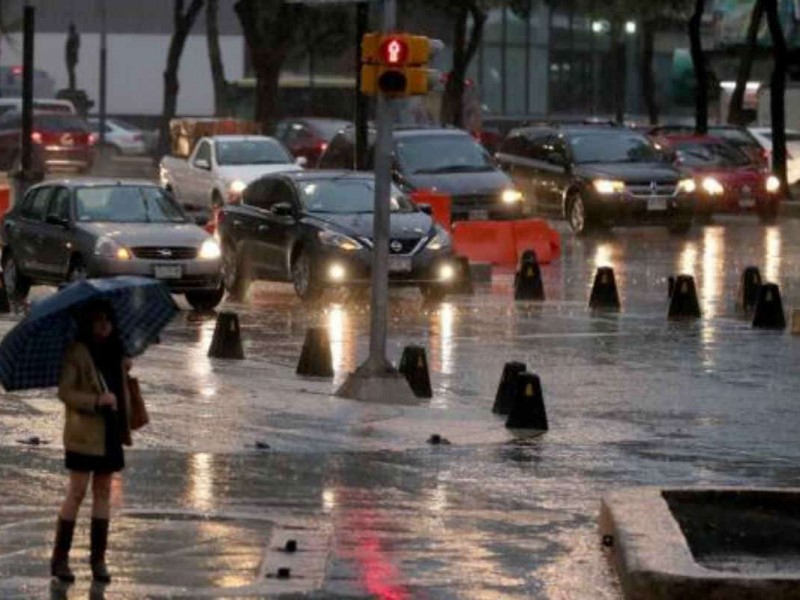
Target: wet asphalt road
(631,399)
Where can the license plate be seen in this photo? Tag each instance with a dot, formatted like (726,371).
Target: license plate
(656,204)
(399,264)
(479,215)
(168,271)
(747,202)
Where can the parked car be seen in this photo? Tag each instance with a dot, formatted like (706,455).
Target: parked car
(727,179)
(39,104)
(445,160)
(220,167)
(764,137)
(314,229)
(307,138)
(598,176)
(61,142)
(66,230)
(740,137)
(125,139)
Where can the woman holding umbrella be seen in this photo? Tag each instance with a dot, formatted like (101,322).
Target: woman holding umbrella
(80,340)
(94,390)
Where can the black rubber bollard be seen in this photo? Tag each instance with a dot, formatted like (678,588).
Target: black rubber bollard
(504,399)
(528,280)
(528,257)
(284,573)
(227,341)
(463,283)
(684,304)
(528,411)
(769,308)
(316,359)
(414,366)
(604,294)
(748,290)
(5,305)
(291,546)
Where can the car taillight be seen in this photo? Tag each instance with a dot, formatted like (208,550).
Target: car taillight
(93,139)
(36,137)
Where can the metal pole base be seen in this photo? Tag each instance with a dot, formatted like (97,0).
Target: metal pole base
(378,383)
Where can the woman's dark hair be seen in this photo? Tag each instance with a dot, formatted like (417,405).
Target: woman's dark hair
(84,318)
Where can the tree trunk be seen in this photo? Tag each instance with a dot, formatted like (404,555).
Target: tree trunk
(463,53)
(215,58)
(648,77)
(700,73)
(183,25)
(778,92)
(735,110)
(268,72)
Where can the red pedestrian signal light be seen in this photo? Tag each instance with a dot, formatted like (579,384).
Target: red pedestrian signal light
(394,51)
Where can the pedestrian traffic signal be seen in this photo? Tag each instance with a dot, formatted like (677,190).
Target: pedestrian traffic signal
(395,64)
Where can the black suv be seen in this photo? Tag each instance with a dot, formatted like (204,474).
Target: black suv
(598,176)
(445,160)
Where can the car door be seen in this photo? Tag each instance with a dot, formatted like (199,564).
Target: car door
(551,158)
(199,180)
(28,238)
(251,222)
(275,232)
(57,247)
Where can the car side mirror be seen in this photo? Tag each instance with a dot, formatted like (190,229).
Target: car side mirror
(283,209)
(426,208)
(56,220)
(301,161)
(202,163)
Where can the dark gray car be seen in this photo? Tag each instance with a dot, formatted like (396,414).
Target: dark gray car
(67,230)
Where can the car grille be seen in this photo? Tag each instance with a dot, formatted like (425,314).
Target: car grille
(652,189)
(403,246)
(164,253)
(466,202)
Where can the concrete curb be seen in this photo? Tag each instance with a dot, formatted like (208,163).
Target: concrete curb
(652,558)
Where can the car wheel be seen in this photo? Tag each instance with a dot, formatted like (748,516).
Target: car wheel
(77,271)
(679,226)
(304,277)
(17,285)
(577,215)
(433,292)
(205,300)
(768,214)
(234,273)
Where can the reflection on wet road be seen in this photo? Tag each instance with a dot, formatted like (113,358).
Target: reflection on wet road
(631,399)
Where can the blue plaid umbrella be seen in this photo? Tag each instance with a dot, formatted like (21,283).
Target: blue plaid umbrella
(31,353)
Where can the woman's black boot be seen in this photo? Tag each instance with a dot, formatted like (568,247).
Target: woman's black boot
(59,563)
(99,539)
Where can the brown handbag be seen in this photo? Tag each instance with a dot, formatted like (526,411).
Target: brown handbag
(138,417)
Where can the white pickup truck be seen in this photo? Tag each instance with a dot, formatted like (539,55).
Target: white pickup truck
(220,167)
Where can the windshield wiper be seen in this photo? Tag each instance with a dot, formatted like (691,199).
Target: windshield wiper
(455,169)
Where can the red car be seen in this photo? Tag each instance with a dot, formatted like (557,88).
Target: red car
(726,179)
(308,137)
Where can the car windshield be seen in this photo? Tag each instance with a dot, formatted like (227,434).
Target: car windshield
(60,124)
(698,154)
(442,154)
(737,137)
(328,129)
(347,196)
(251,152)
(612,147)
(126,204)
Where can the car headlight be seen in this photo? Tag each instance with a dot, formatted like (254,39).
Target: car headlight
(441,239)
(608,186)
(209,250)
(687,185)
(237,186)
(108,248)
(713,187)
(773,184)
(338,240)
(511,196)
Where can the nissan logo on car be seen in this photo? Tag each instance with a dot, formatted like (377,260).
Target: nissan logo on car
(165,253)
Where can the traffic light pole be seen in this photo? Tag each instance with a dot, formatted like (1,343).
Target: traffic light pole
(377,379)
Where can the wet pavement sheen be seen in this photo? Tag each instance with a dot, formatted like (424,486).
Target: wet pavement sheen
(631,400)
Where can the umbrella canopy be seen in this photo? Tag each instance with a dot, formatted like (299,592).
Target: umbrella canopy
(31,353)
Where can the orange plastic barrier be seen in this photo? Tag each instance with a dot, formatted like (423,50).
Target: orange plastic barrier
(5,199)
(486,241)
(503,242)
(440,203)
